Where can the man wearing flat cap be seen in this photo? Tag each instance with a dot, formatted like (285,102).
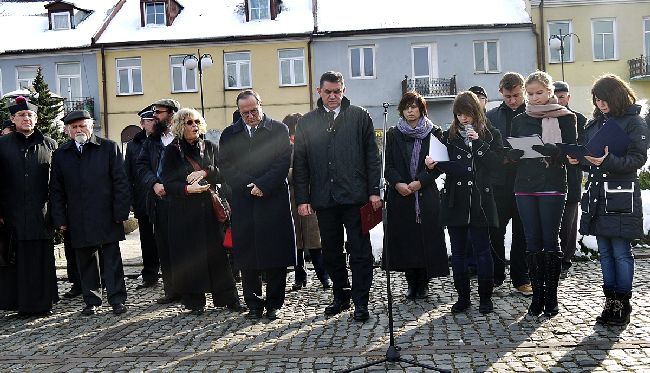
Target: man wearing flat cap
(89,196)
(150,263)
(480,93)
(27,272)
(157,205)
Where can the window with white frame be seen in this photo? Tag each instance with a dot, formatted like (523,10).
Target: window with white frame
(486,56)
(129,76)
(646,36)
(25,76)
(61,21)
(183,79)
(237,67)
(154,13)
(604,37)
(259,9)
(421,68)
(292,66)
(362,62)
(68,80)
(564,28)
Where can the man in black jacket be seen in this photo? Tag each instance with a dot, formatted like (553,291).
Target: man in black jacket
(511,88)
(336,170)
(150,263)
(89,197)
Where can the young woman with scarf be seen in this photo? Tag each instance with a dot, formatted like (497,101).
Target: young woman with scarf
(468,208)
(541,186)
(414,236)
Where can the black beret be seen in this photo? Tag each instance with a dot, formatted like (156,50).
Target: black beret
(20,104)
(478,90)
(561,86)
(76,115)
(146,113)
(168,102)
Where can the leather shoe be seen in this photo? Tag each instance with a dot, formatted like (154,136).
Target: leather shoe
(327,283)
(197,311)
(167,299)
(254,314)
(361,314)
(236,307)
(298,285)
(89,310)
(410,293)
(119,308)
(272,314)
(146,284)
(74,292)
(336,307)
(422,292)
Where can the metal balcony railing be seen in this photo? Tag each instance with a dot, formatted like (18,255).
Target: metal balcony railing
(430,87)
(640,67)
(79,103)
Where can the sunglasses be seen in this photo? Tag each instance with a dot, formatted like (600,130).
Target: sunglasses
(193,121)
(160,111)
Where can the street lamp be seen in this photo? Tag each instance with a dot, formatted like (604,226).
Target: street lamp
(204,61)
(557,42)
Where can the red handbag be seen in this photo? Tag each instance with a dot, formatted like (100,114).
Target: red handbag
(227,239)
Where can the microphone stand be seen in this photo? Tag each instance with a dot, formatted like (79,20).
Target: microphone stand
(392,354)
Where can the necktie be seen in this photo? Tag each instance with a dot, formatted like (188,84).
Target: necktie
(253,129)
(81,148)
(330,119)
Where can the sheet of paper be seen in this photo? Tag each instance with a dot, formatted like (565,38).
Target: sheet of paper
(526,144)
(438,150)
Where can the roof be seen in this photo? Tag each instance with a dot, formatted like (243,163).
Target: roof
(345,15)
(208,19)
(563,3)
(25,26)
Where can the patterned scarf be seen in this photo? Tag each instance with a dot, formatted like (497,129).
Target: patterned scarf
(419,132)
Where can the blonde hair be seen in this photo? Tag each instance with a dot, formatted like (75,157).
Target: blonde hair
(179,119)
(543,78)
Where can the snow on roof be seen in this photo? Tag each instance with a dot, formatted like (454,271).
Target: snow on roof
(24,25)
(343,15)
(201,19)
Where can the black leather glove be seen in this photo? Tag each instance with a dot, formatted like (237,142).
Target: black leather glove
(547,150)
(514,155)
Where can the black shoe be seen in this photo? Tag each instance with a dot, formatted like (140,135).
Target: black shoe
(74,292)
(89,310)
(236,307)
(422,292)
(197,311)
(119,308)
(272,314)
(361,314)
(410,293)
(146,284)
(327,283)
(167,299)
(254,314)
(298,285)
(43,313)
(336,307)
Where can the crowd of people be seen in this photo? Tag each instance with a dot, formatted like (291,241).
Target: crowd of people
(284,191)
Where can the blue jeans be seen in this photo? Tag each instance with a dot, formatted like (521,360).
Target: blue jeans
(541,217)
(616,263)
(480,239)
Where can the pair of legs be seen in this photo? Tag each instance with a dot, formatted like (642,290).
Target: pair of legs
(276,280)
(91,279)
(319,267)
(617,266)
(161,234)
(150,261)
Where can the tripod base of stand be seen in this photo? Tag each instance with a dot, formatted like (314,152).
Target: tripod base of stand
(393,356)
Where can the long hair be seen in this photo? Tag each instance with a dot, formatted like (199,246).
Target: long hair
(613,90)
(410,98)
(467,103)
(179,119)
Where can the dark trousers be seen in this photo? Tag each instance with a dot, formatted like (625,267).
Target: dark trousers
(161,234)
(331,222)
(150,262)
(480,240)
(276,281)
(569,230)
(91,281)
(317,261)
(507,210)
(71,261)
(541,216)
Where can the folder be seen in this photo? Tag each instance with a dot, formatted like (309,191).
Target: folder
(610,134)
(369,217)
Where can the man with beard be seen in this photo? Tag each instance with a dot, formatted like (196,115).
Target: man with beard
(89,196)
(29,284)
(148,169)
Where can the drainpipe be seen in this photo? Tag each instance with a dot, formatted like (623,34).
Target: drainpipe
(104,93)
(310,74)
(542,41)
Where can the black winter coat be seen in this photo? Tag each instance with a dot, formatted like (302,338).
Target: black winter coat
(469,199)
(412,244)
(138,191)
(501,118)
(336,163)
(147,168)
(573,172)
(25,169)
(611,203)
(89,192)
(262,227)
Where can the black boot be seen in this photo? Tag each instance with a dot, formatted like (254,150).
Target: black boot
(411,280)
(319,267)
(536,271)
(553,267)
(621,309)
(422,290)
(461,283)
(606,315)
(485,287)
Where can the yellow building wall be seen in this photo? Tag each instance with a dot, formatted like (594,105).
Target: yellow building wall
(581,73)
(219,103)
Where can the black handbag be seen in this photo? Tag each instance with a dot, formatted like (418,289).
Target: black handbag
(7,250)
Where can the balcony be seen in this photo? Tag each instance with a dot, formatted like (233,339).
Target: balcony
(79,103)
(640,68)
(433,89)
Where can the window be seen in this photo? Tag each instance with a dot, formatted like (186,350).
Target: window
(61,21)
(362,62)
(564,28)
(486,56)
(646,36)
(421,58)
(129,76)
(68,79)
(292,66)
(183,79)
(259,9)
(154,14)
(25,76)
(604,39)
(237,69)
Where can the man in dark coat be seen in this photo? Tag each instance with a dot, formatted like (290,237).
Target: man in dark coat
(511,88)
(336,171)
(29,285)
(148,169)
(89,196)
(254,156)
(150,263)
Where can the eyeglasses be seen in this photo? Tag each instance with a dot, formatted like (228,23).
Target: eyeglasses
(253,112)
(26,115)
(193,121)
(160,111)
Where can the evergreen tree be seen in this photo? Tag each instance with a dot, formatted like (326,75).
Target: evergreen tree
(49,109)
(4,111)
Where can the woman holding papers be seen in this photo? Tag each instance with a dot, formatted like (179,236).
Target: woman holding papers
(468,208)
(541,186)
(414,236)
(611,203)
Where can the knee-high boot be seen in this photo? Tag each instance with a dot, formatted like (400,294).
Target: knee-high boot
(461,283)
(553,263)
(621,309)
(606,315)
(485,287)
(536,269)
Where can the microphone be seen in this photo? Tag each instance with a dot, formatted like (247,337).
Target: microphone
(467,128)
(385,105)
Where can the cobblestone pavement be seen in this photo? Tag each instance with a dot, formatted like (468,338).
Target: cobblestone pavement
(162,338)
